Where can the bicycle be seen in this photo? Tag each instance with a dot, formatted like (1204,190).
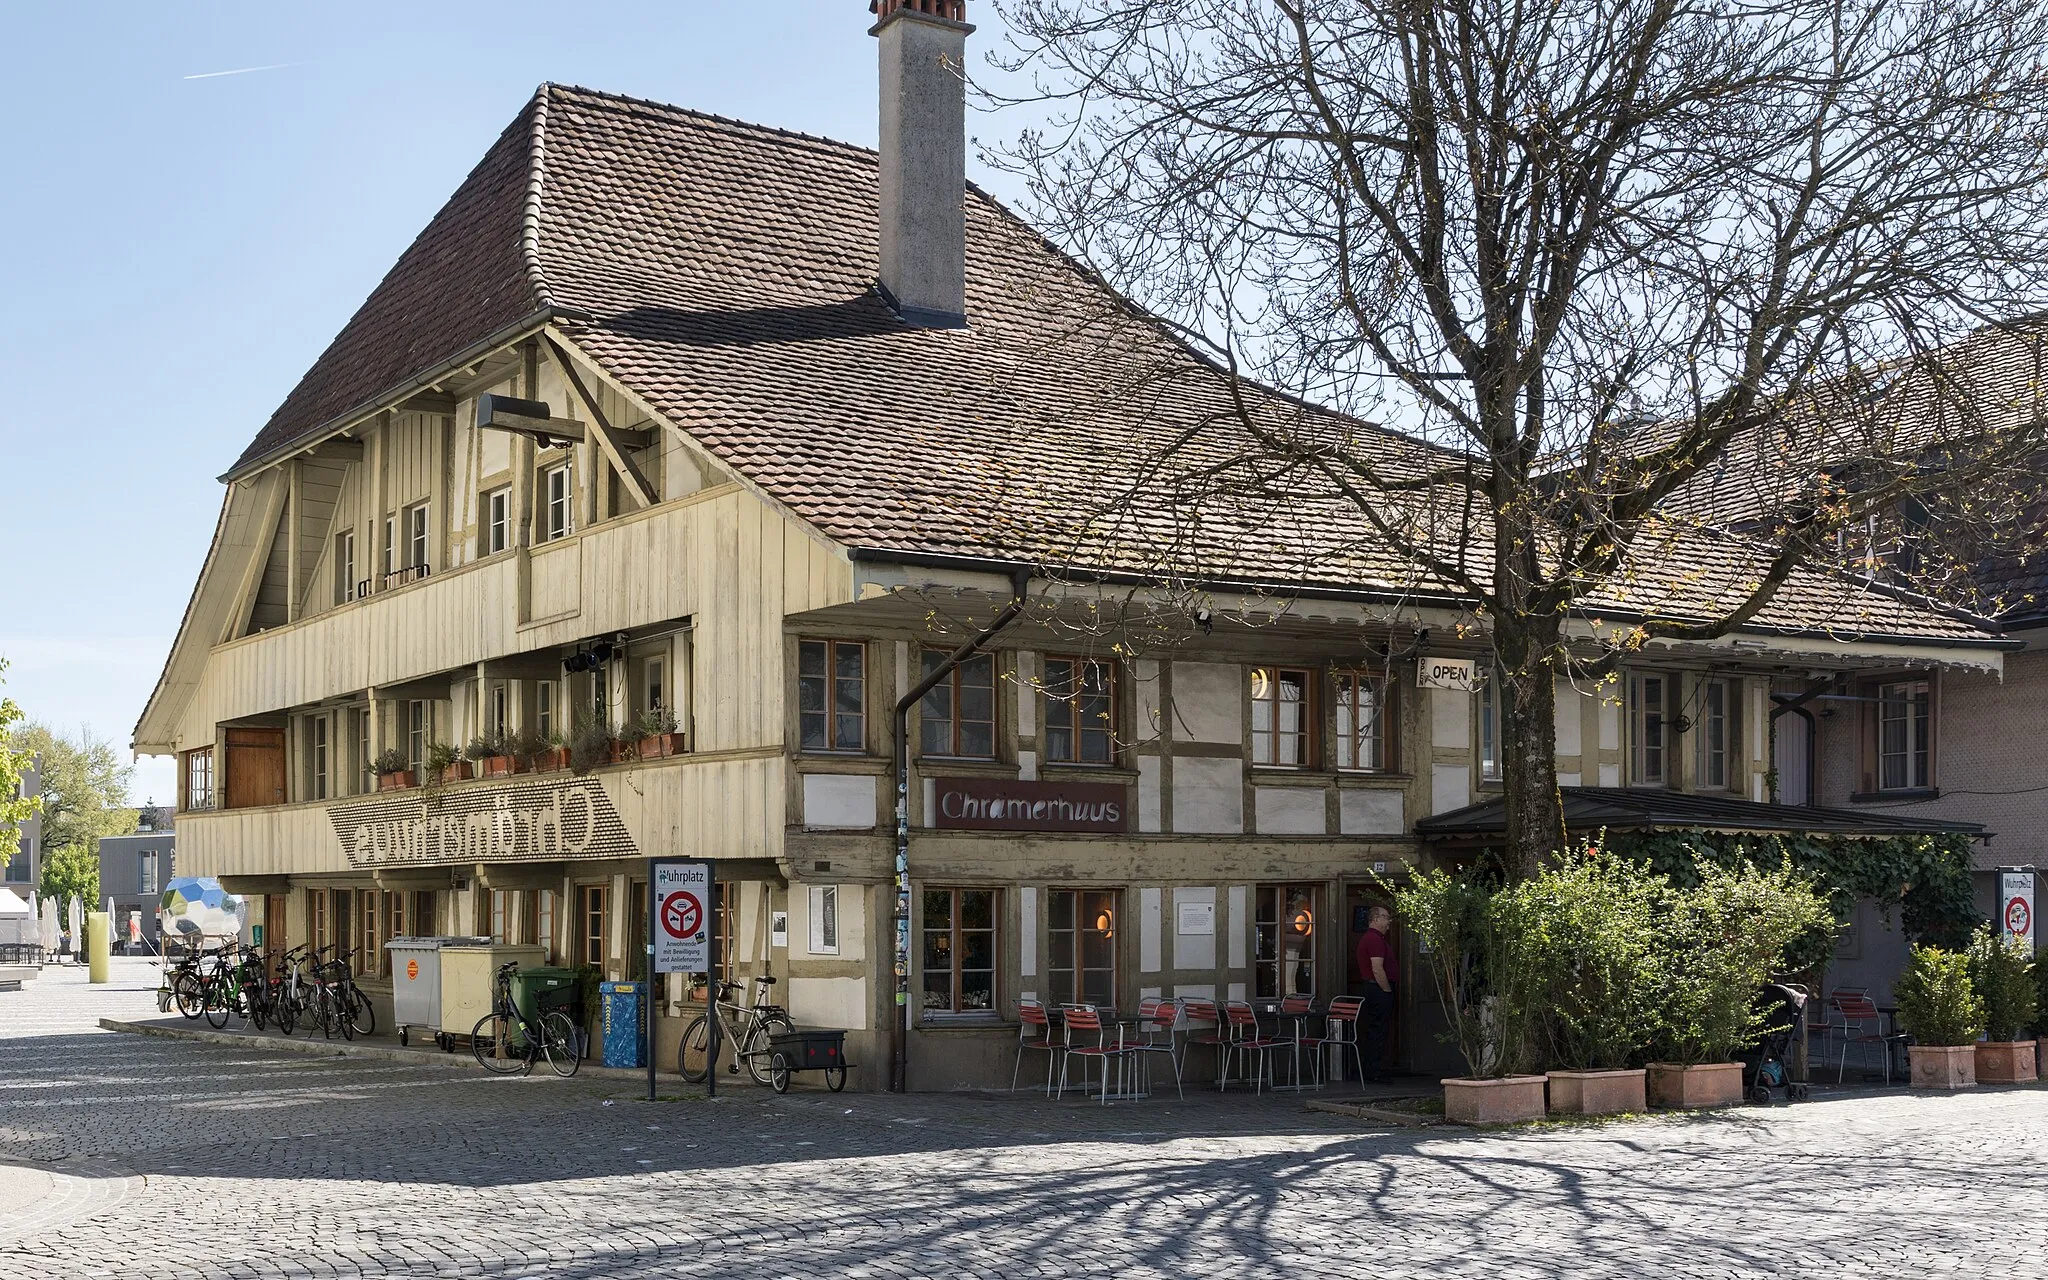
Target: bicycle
(506,1040)
(748,1029)
(352,1008)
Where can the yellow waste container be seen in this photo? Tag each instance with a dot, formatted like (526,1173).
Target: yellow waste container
(98,947)
(468,975)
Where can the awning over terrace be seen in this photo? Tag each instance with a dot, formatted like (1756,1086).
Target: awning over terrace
(1591,809)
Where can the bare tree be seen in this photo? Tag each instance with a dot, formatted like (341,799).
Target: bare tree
(1631,270)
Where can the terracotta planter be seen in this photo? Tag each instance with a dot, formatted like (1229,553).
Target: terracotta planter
(498,766)
(1943,1066)
(552,760)
(659,745)
(1508,1100)
(395,781)
(2007,1062)
(1711,1084)
(1597,1093)
(457,772)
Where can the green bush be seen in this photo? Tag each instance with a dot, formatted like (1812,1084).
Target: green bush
(1591,929)
(1722,940)
(389,761)
(1937,1004)
(590,746)
(1475,948)
(2002,974)
(2041,999)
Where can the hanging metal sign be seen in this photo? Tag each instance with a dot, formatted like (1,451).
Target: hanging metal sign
(1434,672)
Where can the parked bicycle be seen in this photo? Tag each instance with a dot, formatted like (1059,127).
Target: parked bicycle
(747,1032)
(353,1014)
(506,1040)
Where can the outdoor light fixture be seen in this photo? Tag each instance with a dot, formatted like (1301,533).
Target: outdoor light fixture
(1206,621)
(1303,922)
(1105,924)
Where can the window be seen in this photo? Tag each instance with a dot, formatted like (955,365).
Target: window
(498,710)
(958,717)
(145,872)
(1903,755)
(316,918)
(831,695)
(501,916)
(1489,728)
(419,728)
(341,917)
(1284,941)
(544,709)
(366,780)
(725,899)
(390,545)
(1080,711)
(557,493)
(824,920)
(199,779)
(317,755)
(1648,705)
(590,924)
(959,951)
(344,566)
(416,536)
(1719,734)
(1280,717)
(368,940)
(636,931)
(1362,723)
(544,924)
(653,686)
(1081,960)
(497,521)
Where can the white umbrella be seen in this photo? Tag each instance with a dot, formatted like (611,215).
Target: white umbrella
(49,929)
(77,905)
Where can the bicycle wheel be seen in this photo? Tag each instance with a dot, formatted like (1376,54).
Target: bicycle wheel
(499,1045)
(286,1011)
(259,1008)
(835,1078)
(360,1012)
(690,1060)
(344,1020)
(558,1042)
(189,994)
(758,1052)
(320,1013)
(218,1004)
(778,1073)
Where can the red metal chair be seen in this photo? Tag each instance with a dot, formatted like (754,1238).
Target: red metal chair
(1248,1041)
(1340,1028)
(1297,1010)
(1216,1036)
(1106,1050)
(1861,1024)
(1034,1032)
(1157,1020)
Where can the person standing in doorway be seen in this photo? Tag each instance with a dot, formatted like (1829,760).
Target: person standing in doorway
(1381,971)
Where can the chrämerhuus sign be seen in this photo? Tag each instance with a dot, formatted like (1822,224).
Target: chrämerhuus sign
(544,821)
(999,804)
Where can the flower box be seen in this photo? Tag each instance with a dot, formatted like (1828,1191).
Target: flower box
(552,760)
(498,766)
(658,746)
(1943,1066)
(2007,1062)
(1710,1084)
(395,781)
(1598,1093)
(1508,1100)
(457,772)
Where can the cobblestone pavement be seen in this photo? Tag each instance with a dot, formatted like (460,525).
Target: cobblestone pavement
(177,1159)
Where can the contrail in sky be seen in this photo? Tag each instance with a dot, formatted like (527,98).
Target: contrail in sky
(243,71)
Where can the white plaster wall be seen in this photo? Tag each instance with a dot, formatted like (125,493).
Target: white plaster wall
(1610,725)
(1149,714)
(1610,775)
(839,801)
(1208,795)
(1450,787)
(1194,950)
(1240,927)
(1370,812)
(1290,811)
(829,1002)
(1148,930)
(1208,702)
(1450,719)
(1148,793)
(1569,702)
(1027,931)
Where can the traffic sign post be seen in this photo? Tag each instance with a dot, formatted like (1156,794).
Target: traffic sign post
(680,939)
(2016,905)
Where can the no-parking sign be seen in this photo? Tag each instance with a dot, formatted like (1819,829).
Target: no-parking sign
(682,917)
(2016,906)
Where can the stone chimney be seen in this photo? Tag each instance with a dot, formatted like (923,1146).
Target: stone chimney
(924,157)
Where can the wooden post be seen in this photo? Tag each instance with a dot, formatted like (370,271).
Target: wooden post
(295,587)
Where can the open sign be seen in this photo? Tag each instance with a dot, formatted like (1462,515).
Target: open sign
(1448,673)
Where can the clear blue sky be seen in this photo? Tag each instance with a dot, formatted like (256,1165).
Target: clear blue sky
(178,250)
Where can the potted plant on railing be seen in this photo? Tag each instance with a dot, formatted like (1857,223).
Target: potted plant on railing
(1473,942)
(1720,941)
(1591,936)
(492,755)
(393,770)
(592,744)
(2002,973)
(444,764)
(1940,1009)
(659,735)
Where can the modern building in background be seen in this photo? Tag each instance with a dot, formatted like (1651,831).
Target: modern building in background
(133,872)
(24,865)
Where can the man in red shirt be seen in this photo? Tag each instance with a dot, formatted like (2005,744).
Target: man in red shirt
(1380,969)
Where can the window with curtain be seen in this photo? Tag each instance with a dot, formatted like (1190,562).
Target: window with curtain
(1362,723)
(831,695)
(958,716)
(1080,711)
(1282,712)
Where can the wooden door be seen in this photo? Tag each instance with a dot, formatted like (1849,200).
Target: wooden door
(255,768)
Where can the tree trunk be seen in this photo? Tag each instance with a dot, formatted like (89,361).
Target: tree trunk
(1526,699)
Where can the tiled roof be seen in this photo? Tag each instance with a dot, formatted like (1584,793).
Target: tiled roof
(727,273)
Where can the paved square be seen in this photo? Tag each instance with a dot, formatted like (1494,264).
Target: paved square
(136,1155)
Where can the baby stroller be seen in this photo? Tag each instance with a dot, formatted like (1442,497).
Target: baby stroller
(1767,1066)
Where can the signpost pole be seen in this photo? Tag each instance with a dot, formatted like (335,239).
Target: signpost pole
(653,925)
(711,1036)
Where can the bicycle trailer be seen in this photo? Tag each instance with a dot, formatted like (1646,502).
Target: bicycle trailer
(795,1051)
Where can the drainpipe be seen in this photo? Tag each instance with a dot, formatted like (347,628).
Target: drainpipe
(899,1028)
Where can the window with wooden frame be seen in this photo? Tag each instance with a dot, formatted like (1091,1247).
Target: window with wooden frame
(1649,710)
(590,924)
(497,513)
(390,544)
(419,735)
(1365,725)
(1283,712)
(544,710)
(831,695)
(316,919)
(1903,745)
(1080,711)
(366,778)
(418,551)
(1284,927)
(345,566)
(368,939)
(959,952)
(1489,727)
(197,780)
(1081,945)
(958,717)
(1717,735)
(341,919)
(544,924)
(558,493)
(320,757)
(498,709)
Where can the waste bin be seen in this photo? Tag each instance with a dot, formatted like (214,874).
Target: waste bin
(624,1046)
(416,984)
(541,988)
(469,976)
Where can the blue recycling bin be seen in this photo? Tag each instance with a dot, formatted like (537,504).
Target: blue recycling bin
(625,1044)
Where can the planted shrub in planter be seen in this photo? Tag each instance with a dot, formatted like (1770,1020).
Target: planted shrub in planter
(1941,1010)
(592,744)
(1720,942)
(1590,933)
(393,770)
(444,764)
(2002,974)
(658,734)
(1477,958)
(491,754)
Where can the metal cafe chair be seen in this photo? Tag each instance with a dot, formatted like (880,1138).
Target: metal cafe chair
(1215,1036)
(1157,1020)
(1296,1011)
(1248,1044)
(1035,1034)
(1862,1025)
(1340,1028)
(1106,1051)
